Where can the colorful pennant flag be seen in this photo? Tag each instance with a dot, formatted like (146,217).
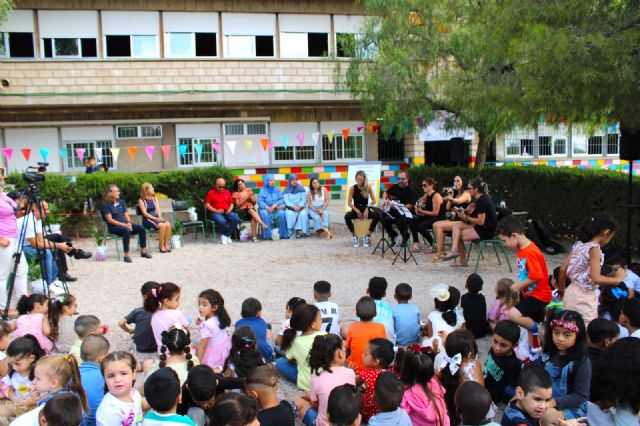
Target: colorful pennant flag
(63,153)
(98,154)
(183,150)
(165,151)
(315,136)
(26,153)
(345,133)
(216,147)
(198,147)
(300,137)
(248,144)
(285,141)
(8,152)
(330,135)
(265,143)
(115,153)
(132,152)
(149,149)
(271,145)
(359,129)
(375,127)
(405,125)
(44,152)
(232,146)
(80,153)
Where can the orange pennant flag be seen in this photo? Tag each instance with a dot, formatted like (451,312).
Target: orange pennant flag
(132,152)
(265,143)
(345,133)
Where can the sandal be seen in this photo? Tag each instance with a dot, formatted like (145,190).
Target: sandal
(329,235)
(437,257)
(459,265)
(451,256)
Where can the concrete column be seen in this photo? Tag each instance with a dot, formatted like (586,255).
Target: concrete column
(413,149)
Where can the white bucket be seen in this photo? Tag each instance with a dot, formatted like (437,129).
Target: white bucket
(101,253)
(176,242)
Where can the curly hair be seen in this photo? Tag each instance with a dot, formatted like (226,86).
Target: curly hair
(323,352)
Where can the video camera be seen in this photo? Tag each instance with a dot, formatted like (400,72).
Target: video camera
(33,175)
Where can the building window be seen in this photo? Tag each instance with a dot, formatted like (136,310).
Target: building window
(594,145)
(304,45)
(139,132)
(345,45)
(101,150)
(16,45)
(390,148)
(3,45)
(257,129)
(245,129)
(559,146)
(208,155)
(613,144)
(243,46)
(294,153)
(544,146)
(70,48)
(519,147)
(134,46)
(339,150)
(190,45)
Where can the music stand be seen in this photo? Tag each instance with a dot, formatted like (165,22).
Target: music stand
(403,248)
(384,241)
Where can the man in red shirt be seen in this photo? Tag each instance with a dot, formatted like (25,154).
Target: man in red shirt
(219,205)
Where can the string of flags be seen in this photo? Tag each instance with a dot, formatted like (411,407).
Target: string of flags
(184,149)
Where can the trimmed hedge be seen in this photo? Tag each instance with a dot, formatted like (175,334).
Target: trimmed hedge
(560,196)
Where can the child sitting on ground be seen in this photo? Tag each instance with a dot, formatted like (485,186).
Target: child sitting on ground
(244,355)
(602,333)
(377,290)
(363,331)
(34,320)
(446,318)
(329,311)
(175,353)
(473,402)
(388,396)
(474,307)
(213,323)
(612,299)
(293,303)
(251,317)
(163,302)
(163,395)
(406,316)
(343,406)
(61,315)
(262,384)
(22,355)
(631,280)
(85,325)
(122,404)
(64,409)
(376,359)
(234,409)
(93,350)
(144,344)
(505,300)
(630,317)
(502,367)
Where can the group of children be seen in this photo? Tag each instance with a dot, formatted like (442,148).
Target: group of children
(547,364)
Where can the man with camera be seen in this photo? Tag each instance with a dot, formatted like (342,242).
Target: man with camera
(405,195)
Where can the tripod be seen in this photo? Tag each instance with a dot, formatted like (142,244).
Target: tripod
(384,241)
(403,249)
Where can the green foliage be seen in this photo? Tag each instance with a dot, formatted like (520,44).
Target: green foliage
(97,235)
(176,229)
(34,272)
(5,8)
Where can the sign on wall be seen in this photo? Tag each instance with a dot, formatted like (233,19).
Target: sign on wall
(373,171)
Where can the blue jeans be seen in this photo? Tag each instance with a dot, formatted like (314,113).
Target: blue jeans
(318,223)
(126,233)
(49,262)
(287,369)
(227,222)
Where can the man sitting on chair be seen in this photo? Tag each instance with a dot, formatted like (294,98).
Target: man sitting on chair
(403,194)
(219,204)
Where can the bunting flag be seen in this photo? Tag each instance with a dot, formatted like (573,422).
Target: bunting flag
(285,141)
(115,153)
(420,121)
(63,153)
(26,153)
(300,137)
(8,152)
(165,151)
(183,150)
(330,135)
(315,136)
(149,149)
(198,147)
(405,125)
(44,152)
(359,129)
(132,152)
(98,154)
(80,153)
(265,143)
(232,146)
(345,133)
(248,144)
(375,127)
(271,145)
(390,128)
(216,147)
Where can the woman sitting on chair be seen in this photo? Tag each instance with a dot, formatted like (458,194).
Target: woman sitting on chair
(480,224)
(318,202)
(430,209)
(152,216)
(245,201)
(295,198)
(457,196)
(271,208)
(359,198)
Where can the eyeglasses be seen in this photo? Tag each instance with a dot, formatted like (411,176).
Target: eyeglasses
(220,186)
(400,179)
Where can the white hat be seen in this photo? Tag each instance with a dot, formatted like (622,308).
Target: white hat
(440,292)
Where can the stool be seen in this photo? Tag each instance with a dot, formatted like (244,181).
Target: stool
(481,245)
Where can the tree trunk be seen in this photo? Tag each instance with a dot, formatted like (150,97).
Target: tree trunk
(481,153)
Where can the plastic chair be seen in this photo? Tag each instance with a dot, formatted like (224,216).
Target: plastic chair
(481,246)
(108,236)
(149,231)
(182,206)
(209,222)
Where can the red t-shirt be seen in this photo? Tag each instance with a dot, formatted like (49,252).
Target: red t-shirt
(358,337)
(531,265)
(368,406)
(219,200)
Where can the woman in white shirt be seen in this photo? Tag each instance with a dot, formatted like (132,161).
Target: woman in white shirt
(318,201)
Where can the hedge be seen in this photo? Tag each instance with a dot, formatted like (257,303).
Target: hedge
(562,197)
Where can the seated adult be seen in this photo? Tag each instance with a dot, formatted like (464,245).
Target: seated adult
(479,225)
(404,194)
(246,201)
(114,212)
(318,203)
(219,204)
(358,200)
(295,199)
(457,196)
(429,209)
(271,208)
(33,245)
(152,216)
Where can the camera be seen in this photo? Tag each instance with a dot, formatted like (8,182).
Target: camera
(34,175)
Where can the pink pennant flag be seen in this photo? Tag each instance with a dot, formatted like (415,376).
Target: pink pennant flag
(8,152)
(360,128)
(300,137)
(149,150)
(271,145)
(165,151)
(216,146)
(80,153)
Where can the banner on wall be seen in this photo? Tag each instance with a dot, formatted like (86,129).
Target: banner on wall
(373,171)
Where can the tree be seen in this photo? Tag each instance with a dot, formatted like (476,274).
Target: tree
(5,8)
(417,57)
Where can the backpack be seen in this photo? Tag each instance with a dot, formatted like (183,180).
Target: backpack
(544,236)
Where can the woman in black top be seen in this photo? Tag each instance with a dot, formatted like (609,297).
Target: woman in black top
(457,196)
(479,225)
(429,209)
(358,200)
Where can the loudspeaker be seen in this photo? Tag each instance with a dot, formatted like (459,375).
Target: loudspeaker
(629,143)
(457,150)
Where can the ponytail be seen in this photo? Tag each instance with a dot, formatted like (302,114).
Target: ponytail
(75,383)
(55,312)
(288,337)
(65,369)
(302,319)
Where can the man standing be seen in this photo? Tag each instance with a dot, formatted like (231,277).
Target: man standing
(402,193)
(220,205)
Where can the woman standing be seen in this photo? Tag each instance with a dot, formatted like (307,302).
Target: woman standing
(245,201)
(8,239)
(457,196)
(430,208)
(317,202)
(358,199)
(152,216)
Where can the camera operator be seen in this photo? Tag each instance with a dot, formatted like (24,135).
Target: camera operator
(8,245)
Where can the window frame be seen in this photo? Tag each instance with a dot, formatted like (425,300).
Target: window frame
(78,40)
(4,40)
(131,46)
(245,131)
(192,48)
(520,141)
(7,45)
(295,158)
(342,159)
(139,131)
(217,156)
(227,38)
(306,44)
(90,146)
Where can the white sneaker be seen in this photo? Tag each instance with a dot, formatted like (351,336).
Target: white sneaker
(56,289)
(223,240)
(367,240)
(355,242)
(229,240)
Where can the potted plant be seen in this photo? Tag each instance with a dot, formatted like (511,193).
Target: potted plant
(101,244)
(56,218)
(176,234)
(275,231)
(34,276)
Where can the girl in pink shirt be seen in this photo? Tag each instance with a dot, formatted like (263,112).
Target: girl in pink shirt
(505,300)
(34,320)
(163,303)
(326,359)
(213,323)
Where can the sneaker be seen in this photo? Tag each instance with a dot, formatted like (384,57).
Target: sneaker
(355,242)
(229,240)
(127,259)
(146,255)
(395,241)
(81,254)
(367,240)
